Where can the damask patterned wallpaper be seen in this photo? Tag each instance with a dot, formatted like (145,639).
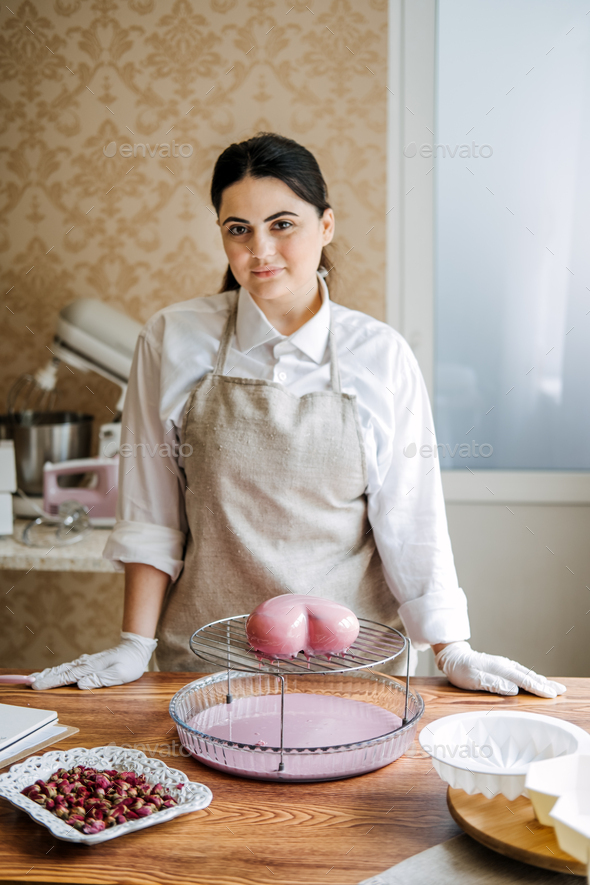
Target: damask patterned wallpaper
(81,79)
(82,215)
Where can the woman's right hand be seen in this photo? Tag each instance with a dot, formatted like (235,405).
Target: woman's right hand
(125,662)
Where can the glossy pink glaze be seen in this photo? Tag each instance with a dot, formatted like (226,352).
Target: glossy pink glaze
(311,720)
(285,625)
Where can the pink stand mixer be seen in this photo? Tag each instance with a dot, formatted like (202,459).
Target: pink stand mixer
(51,446)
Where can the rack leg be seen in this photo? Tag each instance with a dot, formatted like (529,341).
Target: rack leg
(281,763)
(228,697)
(405,719)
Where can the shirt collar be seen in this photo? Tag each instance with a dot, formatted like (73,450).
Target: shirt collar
(253,328)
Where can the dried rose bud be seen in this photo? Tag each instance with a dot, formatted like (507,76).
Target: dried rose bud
(96,826)
(145,811)
(119,810)
(63,813)
(90,799)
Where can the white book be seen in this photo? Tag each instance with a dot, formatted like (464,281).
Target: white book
(18,722)
(43,736)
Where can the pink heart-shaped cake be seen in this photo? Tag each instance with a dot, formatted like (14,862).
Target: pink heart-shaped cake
(285,625)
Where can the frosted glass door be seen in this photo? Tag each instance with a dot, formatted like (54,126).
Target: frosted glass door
(512,234)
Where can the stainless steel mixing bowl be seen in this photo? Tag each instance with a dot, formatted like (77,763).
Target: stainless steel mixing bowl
(47,436)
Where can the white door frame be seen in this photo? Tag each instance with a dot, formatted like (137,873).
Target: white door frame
(410,247)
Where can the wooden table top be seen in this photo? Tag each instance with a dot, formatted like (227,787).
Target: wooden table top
(253,833)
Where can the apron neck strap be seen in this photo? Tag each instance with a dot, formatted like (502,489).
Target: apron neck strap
(334,369)
(228,334)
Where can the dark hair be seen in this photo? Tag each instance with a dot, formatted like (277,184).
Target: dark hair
(268,155)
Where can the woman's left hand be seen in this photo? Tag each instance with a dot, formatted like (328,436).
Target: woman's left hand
(476,671)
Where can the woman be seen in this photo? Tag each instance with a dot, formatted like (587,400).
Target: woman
(279,420)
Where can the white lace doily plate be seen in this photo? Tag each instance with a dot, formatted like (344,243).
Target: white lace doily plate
(190,796)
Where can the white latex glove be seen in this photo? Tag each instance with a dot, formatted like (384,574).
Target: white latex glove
(476,671)
(115,666)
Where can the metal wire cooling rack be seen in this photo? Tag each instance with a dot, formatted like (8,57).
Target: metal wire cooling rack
(225,644)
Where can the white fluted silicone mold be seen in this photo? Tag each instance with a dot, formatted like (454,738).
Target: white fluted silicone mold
(490,753)
(547,781)
(570,817)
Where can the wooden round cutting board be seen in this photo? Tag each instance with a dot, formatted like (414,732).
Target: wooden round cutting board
(511,828)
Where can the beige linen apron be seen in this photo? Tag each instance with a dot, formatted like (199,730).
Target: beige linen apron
(275,503)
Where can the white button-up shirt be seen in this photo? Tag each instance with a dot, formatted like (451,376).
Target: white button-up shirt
(179,345)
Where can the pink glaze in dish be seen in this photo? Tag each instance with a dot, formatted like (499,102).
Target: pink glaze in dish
(285,625)
(311,720)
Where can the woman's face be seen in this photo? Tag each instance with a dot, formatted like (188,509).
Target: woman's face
(273,240)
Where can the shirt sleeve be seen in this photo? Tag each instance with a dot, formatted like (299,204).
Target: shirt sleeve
(151,521)
(406,509)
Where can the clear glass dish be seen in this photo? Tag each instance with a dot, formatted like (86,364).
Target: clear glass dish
(300,764)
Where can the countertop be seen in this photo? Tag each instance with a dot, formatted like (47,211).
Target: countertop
(253,833)
(83,556)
